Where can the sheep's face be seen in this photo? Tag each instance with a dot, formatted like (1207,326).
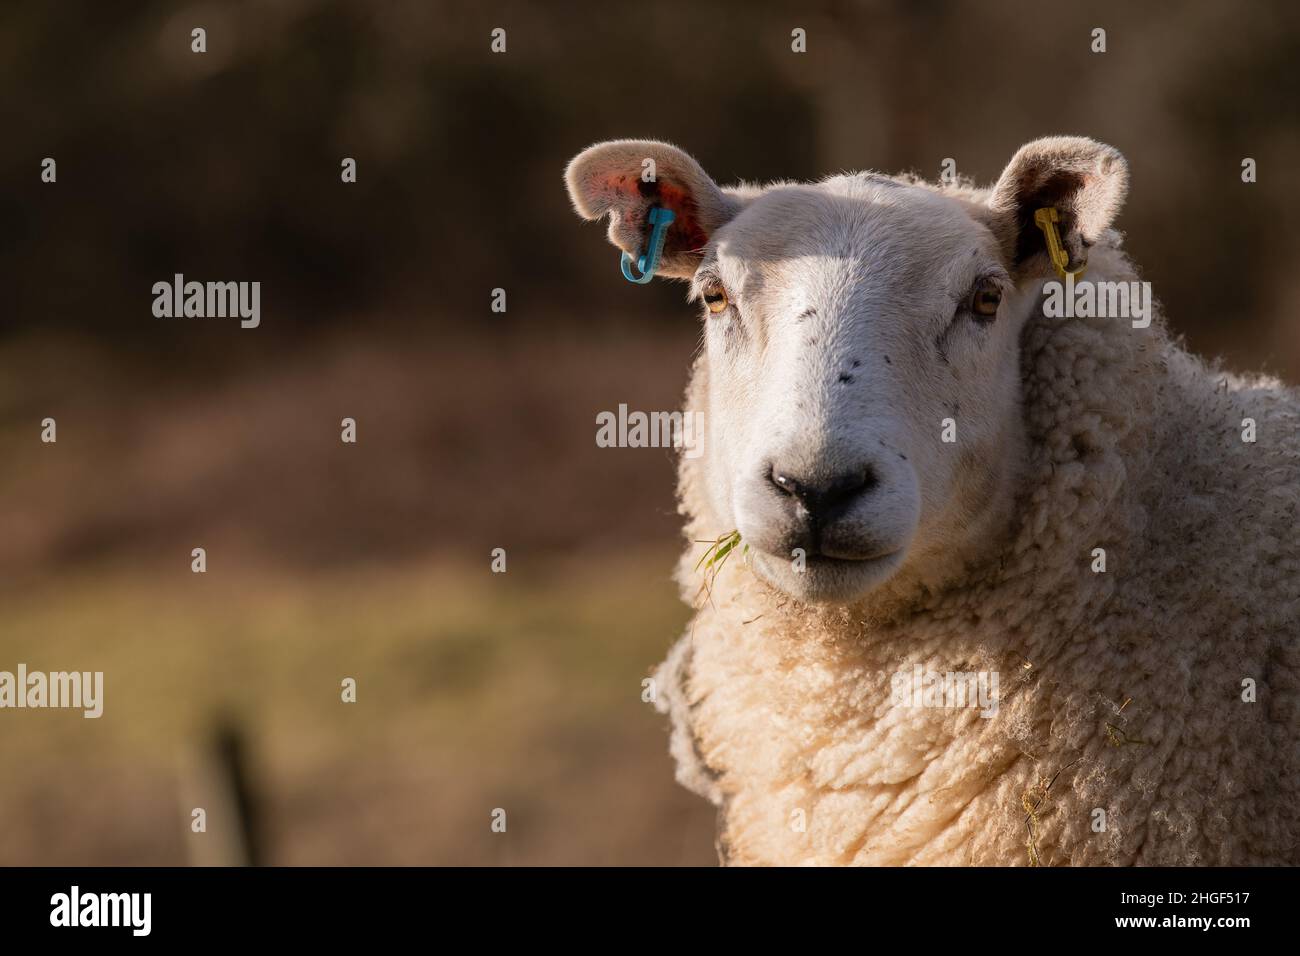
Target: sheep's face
(861,367)
(863,381)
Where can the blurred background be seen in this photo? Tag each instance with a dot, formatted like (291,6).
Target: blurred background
(475,690)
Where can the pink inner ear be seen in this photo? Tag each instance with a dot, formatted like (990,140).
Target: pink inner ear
(633,197)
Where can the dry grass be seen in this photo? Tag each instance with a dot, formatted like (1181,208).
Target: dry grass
(534,707)
(475,690)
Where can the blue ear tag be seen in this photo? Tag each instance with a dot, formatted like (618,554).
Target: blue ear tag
(660,219)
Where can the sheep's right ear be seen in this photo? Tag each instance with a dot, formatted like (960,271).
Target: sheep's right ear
(622,179)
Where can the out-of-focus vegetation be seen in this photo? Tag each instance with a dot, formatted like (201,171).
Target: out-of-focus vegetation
(475,690)
(458,712)
(227,164)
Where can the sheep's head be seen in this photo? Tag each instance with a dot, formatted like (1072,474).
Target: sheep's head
(861,369)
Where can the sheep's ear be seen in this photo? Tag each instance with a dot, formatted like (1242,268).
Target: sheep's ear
(1084,180)
(622,179)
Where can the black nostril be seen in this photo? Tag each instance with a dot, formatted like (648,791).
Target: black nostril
(787,484)
(821,499)
(847,486)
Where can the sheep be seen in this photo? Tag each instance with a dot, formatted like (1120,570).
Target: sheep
(936,479)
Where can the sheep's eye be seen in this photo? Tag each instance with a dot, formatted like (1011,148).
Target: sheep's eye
(716,300)
(986,299)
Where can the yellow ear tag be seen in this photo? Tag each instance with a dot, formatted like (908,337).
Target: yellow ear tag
(1046,219)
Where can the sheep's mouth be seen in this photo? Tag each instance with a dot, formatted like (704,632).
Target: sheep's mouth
(825,579)
(833,559)
(830,561)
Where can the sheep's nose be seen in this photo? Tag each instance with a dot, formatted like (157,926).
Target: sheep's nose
(824,501)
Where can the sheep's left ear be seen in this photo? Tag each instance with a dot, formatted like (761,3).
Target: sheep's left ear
(1085,181)
(622,179)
